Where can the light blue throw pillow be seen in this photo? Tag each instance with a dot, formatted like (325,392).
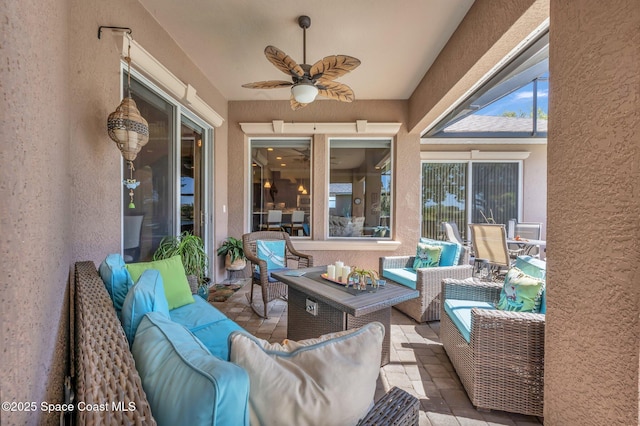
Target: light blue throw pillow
(116,279)
(147,295)
(450,251)
(272,252)
(184,383)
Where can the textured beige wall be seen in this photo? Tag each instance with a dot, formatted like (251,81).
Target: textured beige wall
(60,173)
(489,31)
(407,167)
(592,330)
(35,206)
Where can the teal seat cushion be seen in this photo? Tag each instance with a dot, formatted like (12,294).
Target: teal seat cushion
(460,313)
(116,279)
(404,276)
(543,303)
(256,274)
(451,251)
(147,295)
(272,252)
(184,383)
(208,324)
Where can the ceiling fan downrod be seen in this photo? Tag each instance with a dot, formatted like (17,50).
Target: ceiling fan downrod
(305,22)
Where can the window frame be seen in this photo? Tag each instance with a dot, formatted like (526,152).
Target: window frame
(386,160)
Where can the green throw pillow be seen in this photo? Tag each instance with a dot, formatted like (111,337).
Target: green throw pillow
(427,256)
(176,286)
(520,292)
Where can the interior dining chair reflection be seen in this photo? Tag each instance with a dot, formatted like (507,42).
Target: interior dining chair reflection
(274,221)
(132,230)
(296,224)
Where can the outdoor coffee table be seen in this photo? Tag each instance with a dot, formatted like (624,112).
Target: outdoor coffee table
(317,306)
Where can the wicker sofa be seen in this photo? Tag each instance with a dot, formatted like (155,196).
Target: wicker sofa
(426,307)
(500,356)
(104,370)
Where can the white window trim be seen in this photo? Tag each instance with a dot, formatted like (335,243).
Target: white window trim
(183,92)
(474,154)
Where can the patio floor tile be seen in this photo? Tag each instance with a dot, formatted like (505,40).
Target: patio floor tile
(418,365)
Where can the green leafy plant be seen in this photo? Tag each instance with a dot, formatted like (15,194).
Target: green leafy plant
(232,247)
(191,249)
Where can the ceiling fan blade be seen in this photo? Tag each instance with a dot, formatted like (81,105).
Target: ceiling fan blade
(283,62)
(295,105)
(332,67)
(334,90)
(270,84)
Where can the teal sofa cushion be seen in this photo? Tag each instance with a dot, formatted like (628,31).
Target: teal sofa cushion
(450,251)
(116,279)
(404,276)
(208,324)
(184,383)
(147,295)
(531,266)
(460,313)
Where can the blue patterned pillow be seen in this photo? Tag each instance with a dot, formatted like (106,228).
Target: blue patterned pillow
(427,256)
(272,252)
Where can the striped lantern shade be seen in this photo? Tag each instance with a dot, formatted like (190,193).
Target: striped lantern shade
(128,129)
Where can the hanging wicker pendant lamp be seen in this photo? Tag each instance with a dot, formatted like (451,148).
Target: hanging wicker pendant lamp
(129,130)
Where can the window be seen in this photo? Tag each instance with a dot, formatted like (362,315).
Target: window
(512,103)
(469,192)
(359,196)
(172,169)
(281,181)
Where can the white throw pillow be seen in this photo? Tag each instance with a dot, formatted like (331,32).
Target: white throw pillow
(330,380)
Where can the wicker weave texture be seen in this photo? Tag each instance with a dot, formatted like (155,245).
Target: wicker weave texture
(396,408)
(104,367)
(270,290)
(426,307)
(502,367)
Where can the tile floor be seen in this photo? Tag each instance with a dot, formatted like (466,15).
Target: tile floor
(418,365)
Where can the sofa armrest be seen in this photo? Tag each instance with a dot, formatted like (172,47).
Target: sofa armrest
(395,262)
(481,291)
(436,275)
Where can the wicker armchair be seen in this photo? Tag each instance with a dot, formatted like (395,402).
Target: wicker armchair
(502,366)
(271,289)
(426,307)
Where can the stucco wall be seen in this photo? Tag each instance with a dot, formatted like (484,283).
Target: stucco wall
(35,206)
(60,173)
(592,331)
(407,167)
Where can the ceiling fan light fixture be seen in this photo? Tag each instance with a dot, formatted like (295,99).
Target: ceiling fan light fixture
(304,93)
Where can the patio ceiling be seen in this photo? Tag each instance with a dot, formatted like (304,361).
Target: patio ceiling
(396,41)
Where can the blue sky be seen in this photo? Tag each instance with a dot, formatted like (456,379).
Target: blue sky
(519,101)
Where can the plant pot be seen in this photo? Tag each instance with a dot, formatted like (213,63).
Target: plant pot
(237,265)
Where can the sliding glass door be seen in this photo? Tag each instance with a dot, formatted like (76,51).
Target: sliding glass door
(172,169)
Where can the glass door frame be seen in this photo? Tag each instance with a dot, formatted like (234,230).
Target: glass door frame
(175,150)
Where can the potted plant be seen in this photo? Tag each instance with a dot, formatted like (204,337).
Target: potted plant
(233,251)
(191,249)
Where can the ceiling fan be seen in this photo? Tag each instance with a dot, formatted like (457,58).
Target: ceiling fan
(308,81)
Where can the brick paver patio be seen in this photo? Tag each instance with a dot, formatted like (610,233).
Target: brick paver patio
(418,365)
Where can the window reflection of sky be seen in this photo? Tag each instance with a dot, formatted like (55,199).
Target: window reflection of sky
(186,187)
(520,101)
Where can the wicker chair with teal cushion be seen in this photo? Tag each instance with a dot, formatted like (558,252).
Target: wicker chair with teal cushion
(405,270)
(269,251)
